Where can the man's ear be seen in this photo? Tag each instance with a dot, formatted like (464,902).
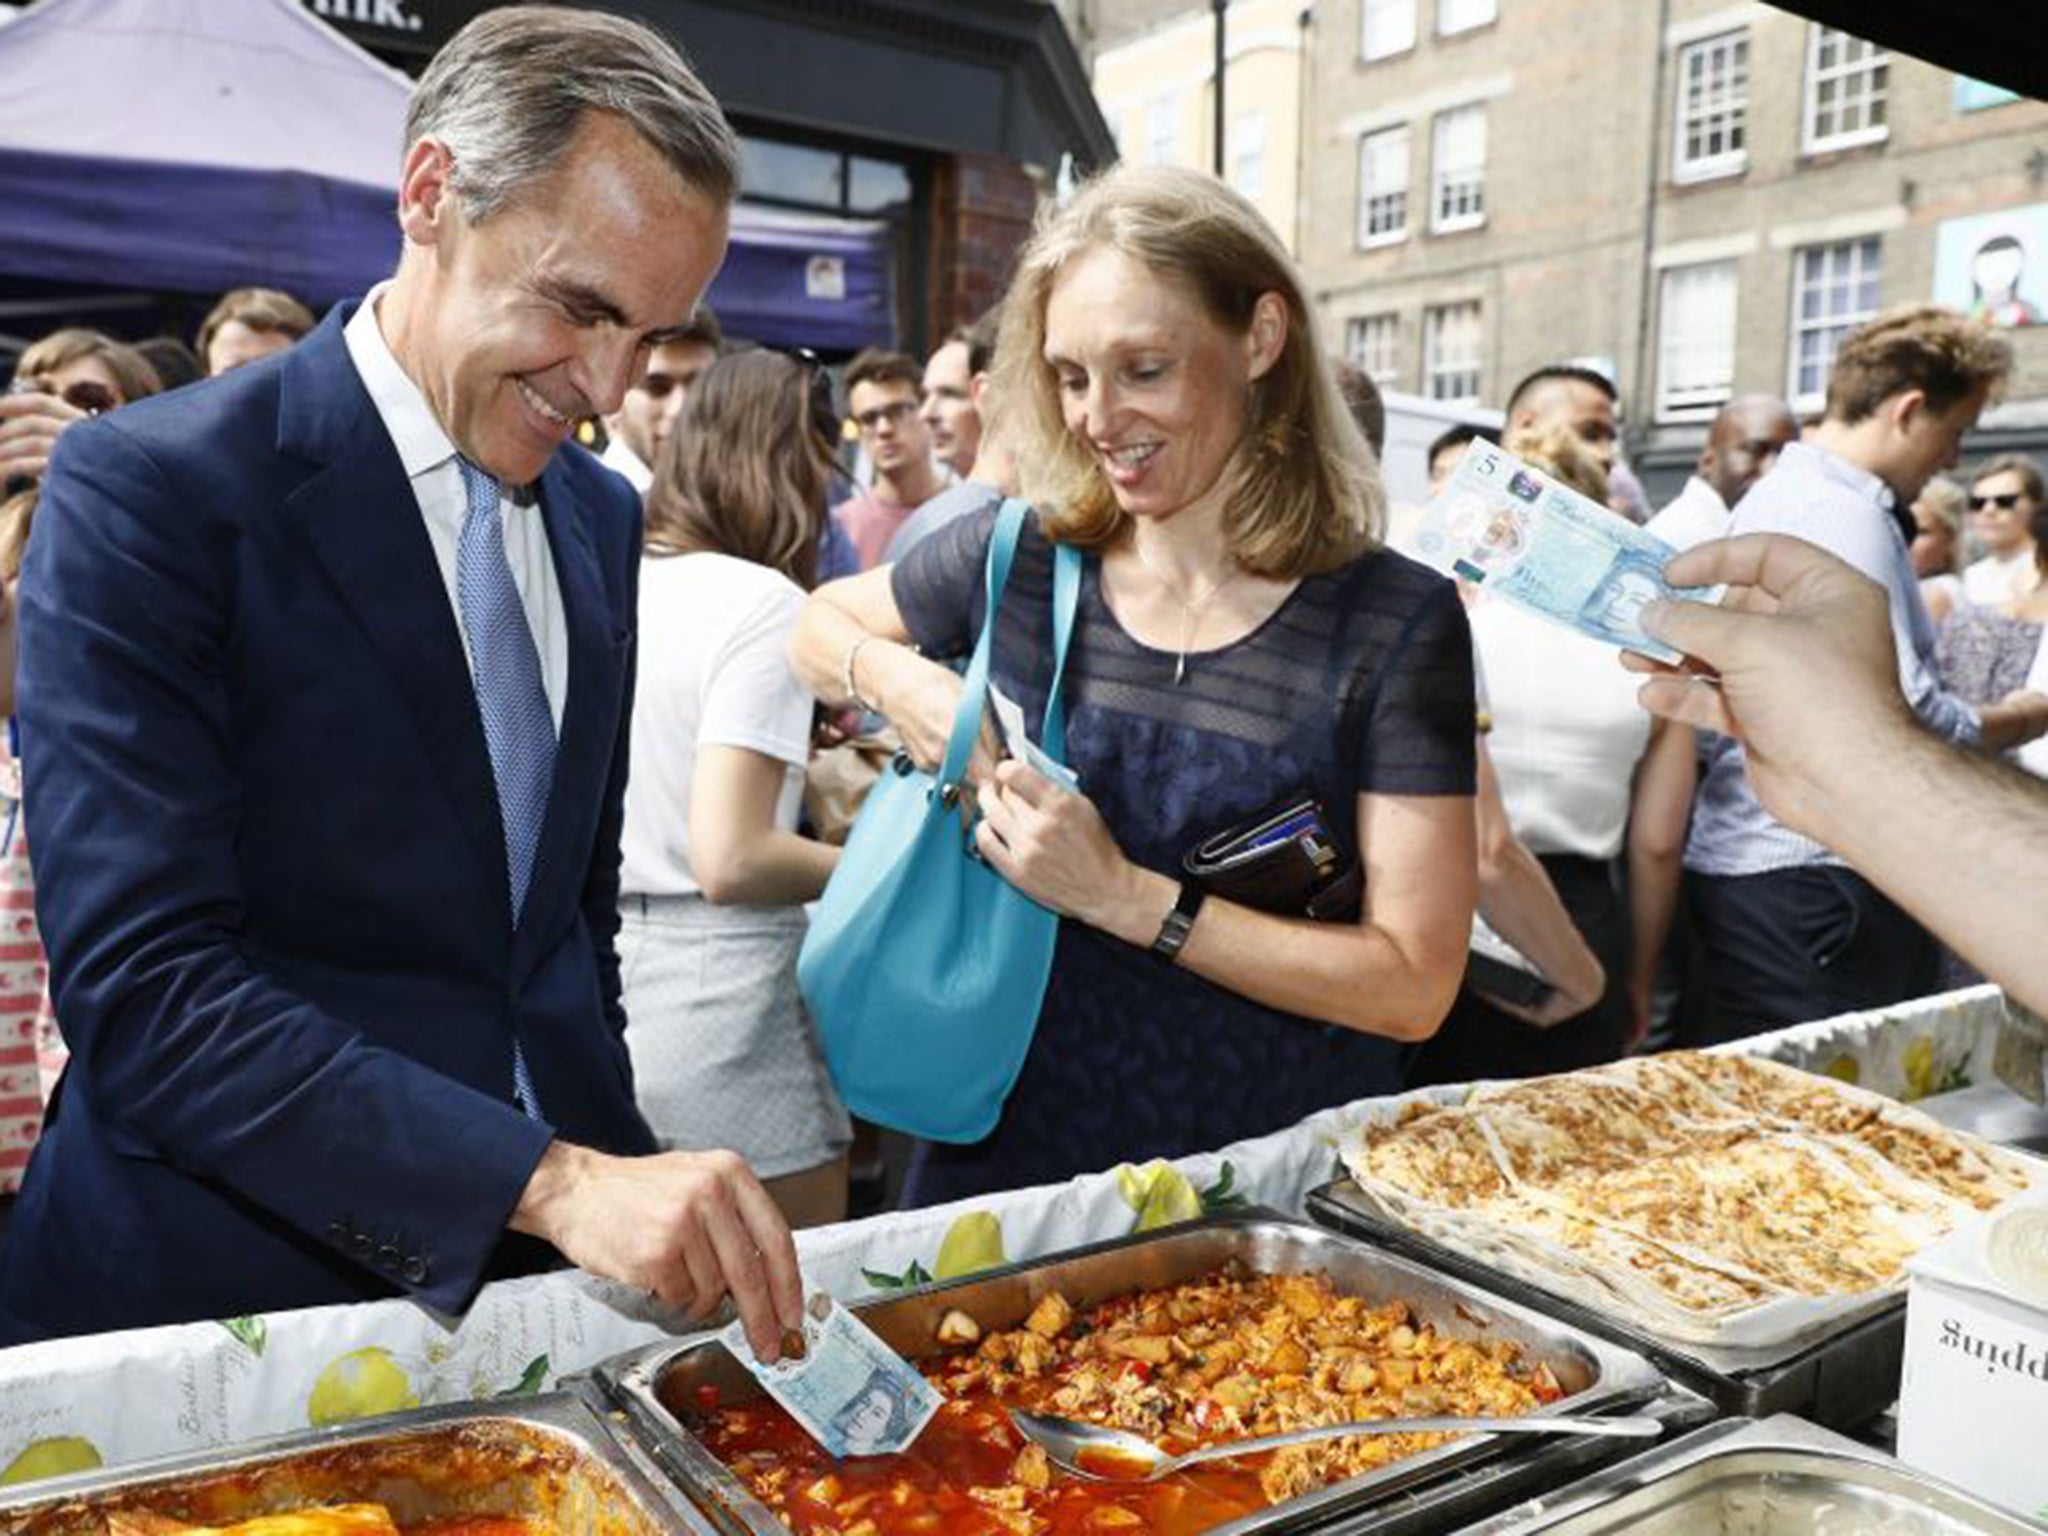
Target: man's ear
(426,200)
(1267,338)
(977,389)
(1904,410)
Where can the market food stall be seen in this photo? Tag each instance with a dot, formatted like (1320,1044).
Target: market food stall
(1501,1249)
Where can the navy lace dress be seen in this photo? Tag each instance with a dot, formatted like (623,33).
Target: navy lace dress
(1360,682)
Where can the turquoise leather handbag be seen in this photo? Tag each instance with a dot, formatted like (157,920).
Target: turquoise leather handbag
(924,968)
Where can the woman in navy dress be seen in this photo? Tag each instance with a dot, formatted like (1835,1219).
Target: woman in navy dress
(1242,639)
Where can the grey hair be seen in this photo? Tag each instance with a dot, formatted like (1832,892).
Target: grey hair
(507,93)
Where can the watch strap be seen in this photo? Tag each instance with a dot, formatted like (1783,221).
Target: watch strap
(1179,923)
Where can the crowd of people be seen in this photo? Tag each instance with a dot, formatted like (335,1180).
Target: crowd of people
(418,803)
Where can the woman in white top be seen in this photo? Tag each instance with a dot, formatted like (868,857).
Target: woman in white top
(1599,790)
(715,874)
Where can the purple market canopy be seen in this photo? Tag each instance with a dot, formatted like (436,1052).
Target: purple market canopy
(196,145)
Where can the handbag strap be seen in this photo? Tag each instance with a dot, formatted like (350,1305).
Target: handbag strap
(1066,592)
(1066,599)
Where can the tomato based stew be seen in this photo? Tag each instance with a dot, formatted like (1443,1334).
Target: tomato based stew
(1222,1358)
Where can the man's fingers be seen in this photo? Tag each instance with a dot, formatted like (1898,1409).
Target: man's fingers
(1773,561)
(762,1221)
(1689,701)
(1699,630)
(707,1284)
(745,1279)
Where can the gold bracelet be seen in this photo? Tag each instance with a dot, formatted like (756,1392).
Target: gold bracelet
(846,676)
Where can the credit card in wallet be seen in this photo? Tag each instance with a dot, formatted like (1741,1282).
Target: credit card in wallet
(1301,823)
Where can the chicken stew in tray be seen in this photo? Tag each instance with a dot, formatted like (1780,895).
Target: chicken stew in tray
(1222,1357)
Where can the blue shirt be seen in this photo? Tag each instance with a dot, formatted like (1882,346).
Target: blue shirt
(1822,498)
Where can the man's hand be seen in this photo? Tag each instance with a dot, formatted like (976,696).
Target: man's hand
(29,427)
(1797,662)
(689,1227)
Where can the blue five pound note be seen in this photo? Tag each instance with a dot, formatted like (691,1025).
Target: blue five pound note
(1512,530)
(852,1393)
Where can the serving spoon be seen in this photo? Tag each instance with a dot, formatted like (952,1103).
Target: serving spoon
(1117,1456)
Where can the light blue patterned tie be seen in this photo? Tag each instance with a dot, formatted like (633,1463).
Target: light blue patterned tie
(519,726)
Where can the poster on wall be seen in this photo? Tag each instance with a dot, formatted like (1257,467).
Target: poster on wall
(1994,266)
(1976,95)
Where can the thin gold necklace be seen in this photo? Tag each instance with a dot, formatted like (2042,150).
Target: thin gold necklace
(1191,609)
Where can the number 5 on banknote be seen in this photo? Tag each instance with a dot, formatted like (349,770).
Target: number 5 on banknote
(1510,529)
(852,1393)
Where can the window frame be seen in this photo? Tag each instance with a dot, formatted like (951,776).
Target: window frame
(1735,113)
(1492,15)
(1811,142)
(1365,13)
(1357,327)
(1698,405)
(1842,323)
(1474,218)
(1366,238)
(1254,119)
(1433,324)
(1167,105)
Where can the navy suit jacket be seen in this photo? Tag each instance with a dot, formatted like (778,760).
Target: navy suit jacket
(271,873)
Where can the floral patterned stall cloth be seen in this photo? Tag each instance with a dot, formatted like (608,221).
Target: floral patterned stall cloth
(31,1050)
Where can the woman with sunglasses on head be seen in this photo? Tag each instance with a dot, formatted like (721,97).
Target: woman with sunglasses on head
(715,874)
(1242,644)
(66,378)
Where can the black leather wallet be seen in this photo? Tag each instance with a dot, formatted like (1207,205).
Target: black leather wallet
(1286,860)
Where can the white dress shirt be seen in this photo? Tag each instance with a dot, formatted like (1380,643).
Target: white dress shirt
(1845,509)
(430,464)
(617,456)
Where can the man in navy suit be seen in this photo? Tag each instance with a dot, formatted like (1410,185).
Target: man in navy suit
(326,669)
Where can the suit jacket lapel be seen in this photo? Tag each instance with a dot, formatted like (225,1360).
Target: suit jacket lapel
(359,514)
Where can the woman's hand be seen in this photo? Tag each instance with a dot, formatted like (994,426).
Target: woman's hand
(921,698)
(1053,845)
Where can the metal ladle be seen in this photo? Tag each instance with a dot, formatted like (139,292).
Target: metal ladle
(1117,1456)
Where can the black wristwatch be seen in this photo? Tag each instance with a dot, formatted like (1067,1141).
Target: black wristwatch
(1173,932)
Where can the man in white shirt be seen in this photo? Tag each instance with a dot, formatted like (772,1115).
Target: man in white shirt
(325,677)
(1744,442)
(1793,933)
(638,428)
(2005,496)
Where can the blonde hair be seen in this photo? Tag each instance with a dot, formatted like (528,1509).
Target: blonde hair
(134,373)
(1945,501)
(1308,495)
(17,516)
(743,472)
(1561,454)
(1946,356)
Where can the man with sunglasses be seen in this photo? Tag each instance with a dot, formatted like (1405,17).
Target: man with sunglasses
(882,396)
(2005,496)
(640,425)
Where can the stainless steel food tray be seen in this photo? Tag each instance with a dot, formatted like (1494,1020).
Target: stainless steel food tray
(557,1460)
(1842,1376)
(1453,1482)
(1781,1477)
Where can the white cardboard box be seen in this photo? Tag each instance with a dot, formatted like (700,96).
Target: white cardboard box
(1973,1404)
